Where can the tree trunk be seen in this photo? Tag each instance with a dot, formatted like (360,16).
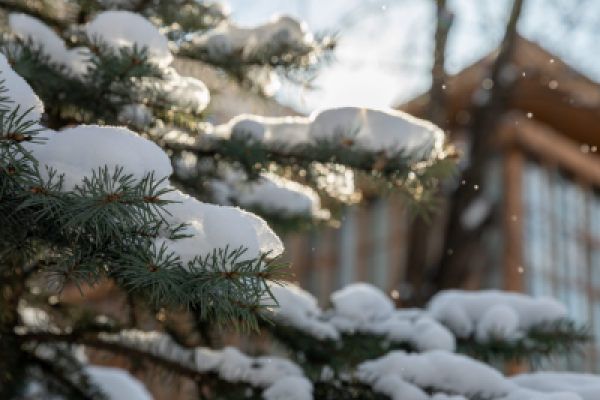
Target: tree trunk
(453,268)
(460,244)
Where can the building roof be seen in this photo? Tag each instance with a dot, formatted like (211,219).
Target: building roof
(553,92)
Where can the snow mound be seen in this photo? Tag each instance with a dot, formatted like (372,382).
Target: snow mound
(502,314)
(189,94)
(299,309)
(216,227)
(259,371)
(19,92)
(231,364)
(126,29)
(270,192)
(376,130)
(362,128)
(526,394)
(76,152)
(248,128)
(587,386)
(430,335)
(280,195)
(279,30)
(277,130)
(439,370)
(423,332)
(358,306)
(499,321)
(117,384)
(398,389)
(290,388)
(29,28)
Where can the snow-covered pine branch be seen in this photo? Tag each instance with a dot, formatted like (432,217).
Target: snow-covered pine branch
(429,370)
(489,325)
(387,149)
(281,48)
(104,191)
(391,149)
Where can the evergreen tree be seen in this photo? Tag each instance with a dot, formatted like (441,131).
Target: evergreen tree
(88,194)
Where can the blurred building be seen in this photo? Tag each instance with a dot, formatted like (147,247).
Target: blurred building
(540,205)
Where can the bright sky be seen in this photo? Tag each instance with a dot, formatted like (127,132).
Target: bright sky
(384,54)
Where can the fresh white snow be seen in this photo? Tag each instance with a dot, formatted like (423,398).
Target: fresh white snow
(587,386)
(230,363)
(189,94)
(359,308)
(363,128)
(279,30)
(270,192)
(124,29)
(30,28)
(290,388)
(376,130)
(440,370)
(19,93)
(504,314)
(77,152)
(216,227)
(299,309)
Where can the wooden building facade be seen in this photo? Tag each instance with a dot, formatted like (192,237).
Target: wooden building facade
(540,203)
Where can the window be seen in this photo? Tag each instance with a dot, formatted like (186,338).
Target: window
(561,246)
(378,243)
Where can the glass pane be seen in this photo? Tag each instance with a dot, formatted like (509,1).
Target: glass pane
(561,249)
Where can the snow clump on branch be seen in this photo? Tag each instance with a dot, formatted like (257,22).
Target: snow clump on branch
(190,94)
(229,363)
(217,227)
(19,92)
(29,28)
(228,37)
(270,192)
(587,386)
(124,29)
(361,128)
(492,313)
(359,308)
(404,376)
(120,29)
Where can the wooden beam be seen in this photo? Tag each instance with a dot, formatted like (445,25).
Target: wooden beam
(513,221)
(549,145)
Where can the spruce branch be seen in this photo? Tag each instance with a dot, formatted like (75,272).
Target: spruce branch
(541,342)
(116,348)
(157,350)
(414,179)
